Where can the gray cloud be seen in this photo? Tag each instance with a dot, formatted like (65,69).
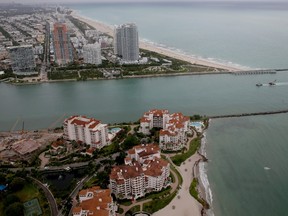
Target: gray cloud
(111,1)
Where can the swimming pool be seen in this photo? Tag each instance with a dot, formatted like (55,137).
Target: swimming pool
(114,130)
(196,124)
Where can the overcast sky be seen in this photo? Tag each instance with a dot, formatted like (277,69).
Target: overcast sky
(79,1)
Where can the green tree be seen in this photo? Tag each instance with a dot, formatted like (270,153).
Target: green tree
(120,158)
(17,184)
(2,178)
(130,141)
(15,209)
(10,199)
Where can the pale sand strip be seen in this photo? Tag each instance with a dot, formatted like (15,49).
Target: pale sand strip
(185,205)
(148,46)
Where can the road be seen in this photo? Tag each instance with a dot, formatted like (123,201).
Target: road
(49,196)
(45,63)
(74,193)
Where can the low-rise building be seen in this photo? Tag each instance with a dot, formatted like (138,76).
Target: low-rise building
(143,152)
(144,171)
(86,130)
(95,202)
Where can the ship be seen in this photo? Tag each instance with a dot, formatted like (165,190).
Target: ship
(272,83)
(259,84)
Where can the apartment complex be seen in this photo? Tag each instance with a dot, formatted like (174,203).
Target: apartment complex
(92,54)
(86,130)
(173,135)
(144,171)
(62,46)
(95,201)
(22,59)
(126,42)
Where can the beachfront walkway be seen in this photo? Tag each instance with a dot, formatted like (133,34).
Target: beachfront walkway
(184,204)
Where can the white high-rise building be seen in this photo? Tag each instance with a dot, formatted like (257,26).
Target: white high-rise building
(126,42)
(86,130)
(92,54)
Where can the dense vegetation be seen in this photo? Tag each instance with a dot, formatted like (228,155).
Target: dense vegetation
(20,190)
(193,147)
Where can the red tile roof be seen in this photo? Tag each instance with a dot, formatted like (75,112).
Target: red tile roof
(98,205)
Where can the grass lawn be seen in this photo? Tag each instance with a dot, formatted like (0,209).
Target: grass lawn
(158,204)
(135,209)
(193,146)
(155,195)
(28,192)
(194,193)
(180,179)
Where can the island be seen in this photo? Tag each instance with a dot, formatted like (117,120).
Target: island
(149,166)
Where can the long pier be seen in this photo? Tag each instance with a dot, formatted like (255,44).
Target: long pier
(256,72)
(249,114)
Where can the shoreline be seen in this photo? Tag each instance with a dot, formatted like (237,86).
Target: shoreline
(105,28)
(125,77)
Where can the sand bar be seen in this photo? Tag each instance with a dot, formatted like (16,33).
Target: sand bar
(151,47)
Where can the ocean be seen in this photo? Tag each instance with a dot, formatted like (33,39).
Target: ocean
(247,156)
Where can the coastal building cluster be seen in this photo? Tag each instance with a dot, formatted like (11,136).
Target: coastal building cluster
(86,130)
(22,39)
(54,43)
(143,172)
(173,128)
(95,202)
(53,37)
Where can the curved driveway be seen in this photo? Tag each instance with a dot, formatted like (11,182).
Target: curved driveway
(49,196)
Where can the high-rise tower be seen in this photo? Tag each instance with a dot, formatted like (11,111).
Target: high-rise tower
(62,45)
(126,44)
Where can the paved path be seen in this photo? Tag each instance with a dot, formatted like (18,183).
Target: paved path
(49,196)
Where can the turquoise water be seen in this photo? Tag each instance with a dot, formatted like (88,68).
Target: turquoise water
(115,130)
(249,34)
(196,124)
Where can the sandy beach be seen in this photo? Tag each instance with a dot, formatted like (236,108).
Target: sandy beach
(151,47)
(185,204)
